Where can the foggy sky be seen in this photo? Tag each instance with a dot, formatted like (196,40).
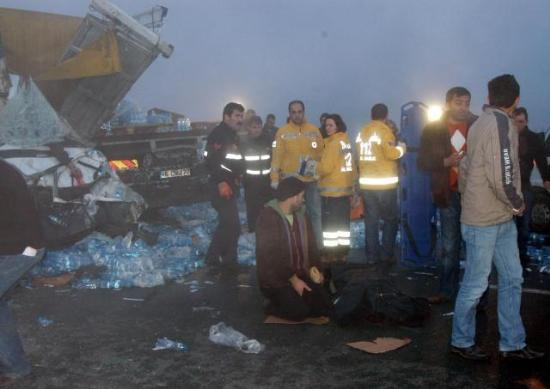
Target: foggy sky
(338,56)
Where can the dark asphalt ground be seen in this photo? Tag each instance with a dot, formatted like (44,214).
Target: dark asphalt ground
(100,340)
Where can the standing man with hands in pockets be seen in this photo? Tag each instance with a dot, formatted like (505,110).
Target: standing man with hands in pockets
(491,197)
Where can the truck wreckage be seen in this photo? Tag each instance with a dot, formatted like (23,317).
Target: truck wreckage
(57,185)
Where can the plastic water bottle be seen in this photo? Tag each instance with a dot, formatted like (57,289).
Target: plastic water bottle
(57,221)
(127,240)
(186,124)
(251,346)
(44,322)
(166,344)
(227,336)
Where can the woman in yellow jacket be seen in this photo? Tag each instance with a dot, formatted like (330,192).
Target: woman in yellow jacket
(337,174)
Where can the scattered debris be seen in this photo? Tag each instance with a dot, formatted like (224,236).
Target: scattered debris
(194,286)
(225,335)
(448,314)
(423,273)
(203,308)
(167,344)
(321,320)
(44,321)
(380,345)
(132,299)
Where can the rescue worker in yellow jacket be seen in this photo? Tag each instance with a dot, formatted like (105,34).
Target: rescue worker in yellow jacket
(337,175)
(296,151)
(378,152)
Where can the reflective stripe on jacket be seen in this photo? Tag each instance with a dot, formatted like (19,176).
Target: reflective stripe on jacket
(256,156)
(378,153)
(222,156)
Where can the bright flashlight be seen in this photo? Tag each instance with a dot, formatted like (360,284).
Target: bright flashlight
(434,113)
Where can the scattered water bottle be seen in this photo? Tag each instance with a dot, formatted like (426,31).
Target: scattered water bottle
(44,322)
(127,261)
(57,221)
(187,124)
(119,193)
(127,240)
(227,336)
(184,124)
(85,283)
(167,344)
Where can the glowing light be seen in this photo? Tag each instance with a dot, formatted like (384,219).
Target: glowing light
(239,100)
(434,113)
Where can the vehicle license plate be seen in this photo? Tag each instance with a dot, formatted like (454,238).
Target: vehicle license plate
(175,173)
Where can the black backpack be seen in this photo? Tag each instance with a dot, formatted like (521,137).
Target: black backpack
(384,299)
(361,297)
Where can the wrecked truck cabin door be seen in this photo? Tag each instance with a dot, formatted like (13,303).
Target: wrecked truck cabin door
(82,67)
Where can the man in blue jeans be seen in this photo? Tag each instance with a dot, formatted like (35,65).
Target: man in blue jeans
(442,145)
(13,363)
(489,181)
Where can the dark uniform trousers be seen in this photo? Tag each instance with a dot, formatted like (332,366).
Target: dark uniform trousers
(257,192)
(225,240)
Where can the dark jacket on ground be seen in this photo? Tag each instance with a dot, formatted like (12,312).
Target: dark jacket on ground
(435,146)
(223,159)
(273,246)
(531,148)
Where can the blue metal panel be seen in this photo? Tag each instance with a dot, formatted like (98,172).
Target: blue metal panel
(417,225)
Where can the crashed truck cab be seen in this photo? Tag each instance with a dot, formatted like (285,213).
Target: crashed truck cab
(73,72)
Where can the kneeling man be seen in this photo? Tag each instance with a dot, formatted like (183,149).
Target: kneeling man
(287,256)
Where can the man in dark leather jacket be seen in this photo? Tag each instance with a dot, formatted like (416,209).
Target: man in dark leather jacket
(442,146)
(224,165)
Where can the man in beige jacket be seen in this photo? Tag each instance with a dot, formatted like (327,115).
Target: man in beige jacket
(489,181)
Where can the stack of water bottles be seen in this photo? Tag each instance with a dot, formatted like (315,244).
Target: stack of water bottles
(201,220)
(125,262)
(128,262)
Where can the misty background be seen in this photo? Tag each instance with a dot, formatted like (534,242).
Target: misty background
(337,56)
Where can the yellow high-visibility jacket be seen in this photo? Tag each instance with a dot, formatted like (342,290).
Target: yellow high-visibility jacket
(337,170)
(292,148)
(378,153)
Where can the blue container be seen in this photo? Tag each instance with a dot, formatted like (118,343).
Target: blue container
(418,221)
